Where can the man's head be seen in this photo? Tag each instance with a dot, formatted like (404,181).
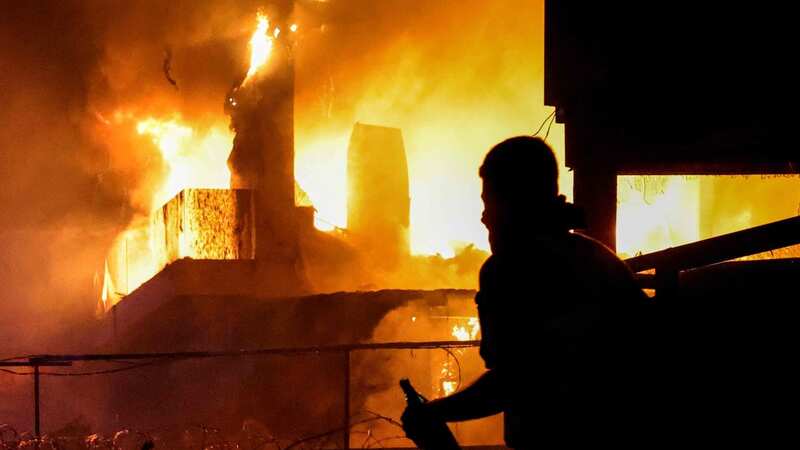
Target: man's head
(520,178)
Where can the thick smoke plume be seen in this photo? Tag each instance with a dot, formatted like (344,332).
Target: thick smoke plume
(75,172)
(77,76)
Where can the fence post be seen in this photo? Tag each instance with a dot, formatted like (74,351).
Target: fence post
(37,431)
(346,422)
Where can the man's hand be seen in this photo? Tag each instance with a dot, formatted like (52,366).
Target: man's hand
(416,420)
(428,430)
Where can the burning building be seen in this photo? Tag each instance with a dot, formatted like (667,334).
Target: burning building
(234,268)
(262,230)
(220,265)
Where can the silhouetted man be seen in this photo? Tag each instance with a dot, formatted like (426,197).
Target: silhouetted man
(560,317)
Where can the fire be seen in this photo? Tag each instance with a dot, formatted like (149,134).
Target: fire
(460,333)
(449,387)
(321,168)
(654,213)
(129,263)
(465,331)
(260,46)
(657,212)
(193,159)
(108,287)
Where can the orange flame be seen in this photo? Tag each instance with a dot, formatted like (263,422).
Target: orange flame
(467,332)
(260,47)
(656,212)
(192,159)
(462,332)
(108,287)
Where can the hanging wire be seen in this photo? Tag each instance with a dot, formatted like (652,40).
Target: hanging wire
(458,366)
(549,116)
(553,119)
(97,372)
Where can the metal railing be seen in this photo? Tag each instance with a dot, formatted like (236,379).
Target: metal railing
(670,262)
(38,361)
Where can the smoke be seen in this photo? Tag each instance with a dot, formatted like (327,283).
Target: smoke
(456,76)
(74,172)
(51,194)
(76,76)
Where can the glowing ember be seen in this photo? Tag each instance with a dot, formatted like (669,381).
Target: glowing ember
(260,46)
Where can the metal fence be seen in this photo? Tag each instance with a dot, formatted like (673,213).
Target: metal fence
(39,366)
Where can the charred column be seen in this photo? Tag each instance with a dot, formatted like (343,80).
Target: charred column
(378,201)
(262,159)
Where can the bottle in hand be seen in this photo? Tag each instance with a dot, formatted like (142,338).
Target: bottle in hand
(428,433)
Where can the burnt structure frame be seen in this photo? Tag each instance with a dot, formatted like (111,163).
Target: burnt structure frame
(657,89)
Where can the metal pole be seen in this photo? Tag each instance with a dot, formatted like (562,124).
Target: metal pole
(36,401)
(45,360)
(346,422)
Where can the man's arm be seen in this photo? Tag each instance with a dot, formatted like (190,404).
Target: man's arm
(480,399)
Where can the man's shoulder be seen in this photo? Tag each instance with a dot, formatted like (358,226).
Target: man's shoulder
(500,272)
(599,259)
(488,269)
(591,247)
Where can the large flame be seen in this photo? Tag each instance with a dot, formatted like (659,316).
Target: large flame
(445,188)
(193,158)
(261,44)
(657,212)
(654,213)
